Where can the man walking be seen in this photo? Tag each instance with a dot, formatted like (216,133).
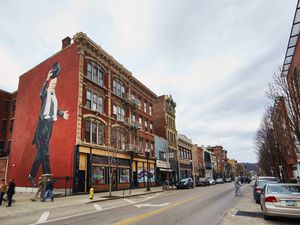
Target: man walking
(10,192)
(40,189)
(48,115)
(237,186)
(3,190)
(49,190)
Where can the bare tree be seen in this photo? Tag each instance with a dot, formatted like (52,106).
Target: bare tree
(289,88)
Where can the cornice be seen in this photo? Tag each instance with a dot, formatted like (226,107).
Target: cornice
(83,40)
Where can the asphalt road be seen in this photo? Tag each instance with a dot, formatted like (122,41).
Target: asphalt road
(201,205)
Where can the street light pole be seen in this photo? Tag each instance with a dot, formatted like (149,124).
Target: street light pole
(148,170)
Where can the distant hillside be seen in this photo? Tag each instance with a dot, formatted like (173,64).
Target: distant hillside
(250,166)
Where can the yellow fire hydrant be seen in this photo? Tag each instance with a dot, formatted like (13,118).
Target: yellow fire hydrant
(91,193)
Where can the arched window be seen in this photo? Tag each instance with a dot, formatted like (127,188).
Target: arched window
(95,73)
(94,131)
(119,138)
(119,88)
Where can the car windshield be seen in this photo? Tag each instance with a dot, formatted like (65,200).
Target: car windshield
(185,180)
(284,189)
(261,183)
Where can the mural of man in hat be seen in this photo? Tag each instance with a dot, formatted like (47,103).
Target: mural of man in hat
(48,115)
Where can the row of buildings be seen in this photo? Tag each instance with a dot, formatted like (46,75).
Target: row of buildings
(285,113)
(118,133)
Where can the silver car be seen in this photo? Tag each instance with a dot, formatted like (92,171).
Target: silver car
(280,200)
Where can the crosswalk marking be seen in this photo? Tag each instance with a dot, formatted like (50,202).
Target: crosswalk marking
(128,200)
(98,207)
(43,217)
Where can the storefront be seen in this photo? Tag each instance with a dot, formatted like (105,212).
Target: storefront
(96,166)
(164,172)
(185,170)
(140,168)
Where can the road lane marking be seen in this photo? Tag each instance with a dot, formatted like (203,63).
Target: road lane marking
(152,205)
(128,200)
(43,217)
(87,213)
(135,219)
(98,207)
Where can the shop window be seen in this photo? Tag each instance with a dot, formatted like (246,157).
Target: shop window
(124,175)
(98,175)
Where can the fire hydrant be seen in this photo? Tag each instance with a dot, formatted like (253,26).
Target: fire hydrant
(91,193)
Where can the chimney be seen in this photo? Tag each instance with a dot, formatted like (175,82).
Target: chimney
(66,42)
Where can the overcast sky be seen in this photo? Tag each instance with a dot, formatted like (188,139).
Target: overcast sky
(214,57)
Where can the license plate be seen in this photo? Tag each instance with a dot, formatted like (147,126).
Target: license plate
(290,203)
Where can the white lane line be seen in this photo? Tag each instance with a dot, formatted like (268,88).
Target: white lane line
(128,200)
(87,213)
(98,207)
(43,217)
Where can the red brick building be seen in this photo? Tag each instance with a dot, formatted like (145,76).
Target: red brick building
(286,149)
(221,157)
(110,125)
(198,161)
(7,116)
(165,126)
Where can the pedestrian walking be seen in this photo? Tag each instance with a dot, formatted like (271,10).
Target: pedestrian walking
(49,190)
(3,190)
(10,191)
(237,186)
(40,189)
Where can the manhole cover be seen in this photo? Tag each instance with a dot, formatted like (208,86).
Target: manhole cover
(249,214)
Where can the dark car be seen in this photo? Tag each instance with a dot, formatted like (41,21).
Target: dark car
(202,181)
(245,179)
(258,187)
(185,183)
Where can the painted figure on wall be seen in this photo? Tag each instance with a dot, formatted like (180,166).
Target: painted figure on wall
(48,115)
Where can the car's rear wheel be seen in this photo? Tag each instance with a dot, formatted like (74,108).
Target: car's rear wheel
(266,217)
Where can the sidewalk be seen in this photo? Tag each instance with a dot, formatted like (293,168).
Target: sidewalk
(23,203)
(245,211)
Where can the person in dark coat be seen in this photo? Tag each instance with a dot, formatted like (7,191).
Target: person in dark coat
(10,192)
(48,115)
(49,190)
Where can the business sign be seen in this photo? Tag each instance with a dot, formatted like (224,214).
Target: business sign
(162,164)
(169,155)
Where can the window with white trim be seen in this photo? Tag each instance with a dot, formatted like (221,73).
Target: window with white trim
(95,73)
(119,88)
(94,131)
(94,101)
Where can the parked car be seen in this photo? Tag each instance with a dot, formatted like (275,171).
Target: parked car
(281,199)
(185,183)
(219,181)
(245,179)
(257,188)
(228,179)
(202,181)
(211,181)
